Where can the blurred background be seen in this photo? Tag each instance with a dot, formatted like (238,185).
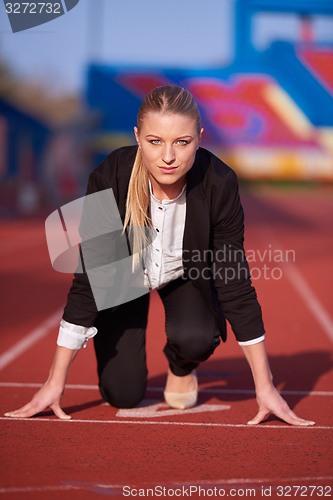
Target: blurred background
(260,70)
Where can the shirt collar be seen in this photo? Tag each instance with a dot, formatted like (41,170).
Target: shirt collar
(165,202)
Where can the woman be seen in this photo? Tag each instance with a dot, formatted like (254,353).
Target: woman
(189,198)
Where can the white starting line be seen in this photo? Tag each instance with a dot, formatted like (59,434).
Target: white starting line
(149,409)
(201,425)
(207,390)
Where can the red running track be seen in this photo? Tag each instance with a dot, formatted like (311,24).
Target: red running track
(102,450)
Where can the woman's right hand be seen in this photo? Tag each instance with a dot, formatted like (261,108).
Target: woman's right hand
(49,396)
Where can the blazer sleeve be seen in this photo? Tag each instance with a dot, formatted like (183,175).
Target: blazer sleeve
(103,241)
(81,308)
(230,269)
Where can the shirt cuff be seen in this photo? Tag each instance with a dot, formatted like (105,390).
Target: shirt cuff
(252,342)
(74,336)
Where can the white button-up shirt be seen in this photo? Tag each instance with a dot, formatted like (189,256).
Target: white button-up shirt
(163,261)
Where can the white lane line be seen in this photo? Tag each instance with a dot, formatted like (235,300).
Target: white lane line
(209,390)
(212,390)
(38,385)
(315,306)
(277,480)
(31,338)
(300,284)
(151,422)
(31,489)
(170,484)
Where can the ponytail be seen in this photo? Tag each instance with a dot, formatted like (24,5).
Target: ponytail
(137,205)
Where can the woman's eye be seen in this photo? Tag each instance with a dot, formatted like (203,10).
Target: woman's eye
(155,141)
(182,142)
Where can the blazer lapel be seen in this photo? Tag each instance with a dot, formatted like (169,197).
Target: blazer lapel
(196,242)
(197,222)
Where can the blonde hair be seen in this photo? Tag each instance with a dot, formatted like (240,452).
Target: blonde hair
(169,99)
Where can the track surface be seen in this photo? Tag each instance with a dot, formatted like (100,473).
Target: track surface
(103,449)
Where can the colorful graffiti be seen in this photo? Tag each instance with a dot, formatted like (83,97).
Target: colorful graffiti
(269,114)
(319,61)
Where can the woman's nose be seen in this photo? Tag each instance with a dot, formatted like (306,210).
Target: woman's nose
(168,155)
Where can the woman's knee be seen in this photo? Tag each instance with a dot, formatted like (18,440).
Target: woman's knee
(194,350)
(123,390)
(122,398)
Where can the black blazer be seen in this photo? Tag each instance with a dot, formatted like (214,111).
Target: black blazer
(213,253)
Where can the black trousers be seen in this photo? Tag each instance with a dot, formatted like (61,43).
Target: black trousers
(192,335)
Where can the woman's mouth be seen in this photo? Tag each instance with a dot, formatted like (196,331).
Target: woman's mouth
(167,170)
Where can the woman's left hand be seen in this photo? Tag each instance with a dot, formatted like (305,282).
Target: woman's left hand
(268,398)
(270,402)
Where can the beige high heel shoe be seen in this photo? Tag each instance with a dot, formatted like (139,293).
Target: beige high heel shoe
(182,400)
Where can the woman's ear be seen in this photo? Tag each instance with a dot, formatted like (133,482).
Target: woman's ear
(136,132)
(200,137)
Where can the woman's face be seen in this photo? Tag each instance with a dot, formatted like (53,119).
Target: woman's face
(168,143)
